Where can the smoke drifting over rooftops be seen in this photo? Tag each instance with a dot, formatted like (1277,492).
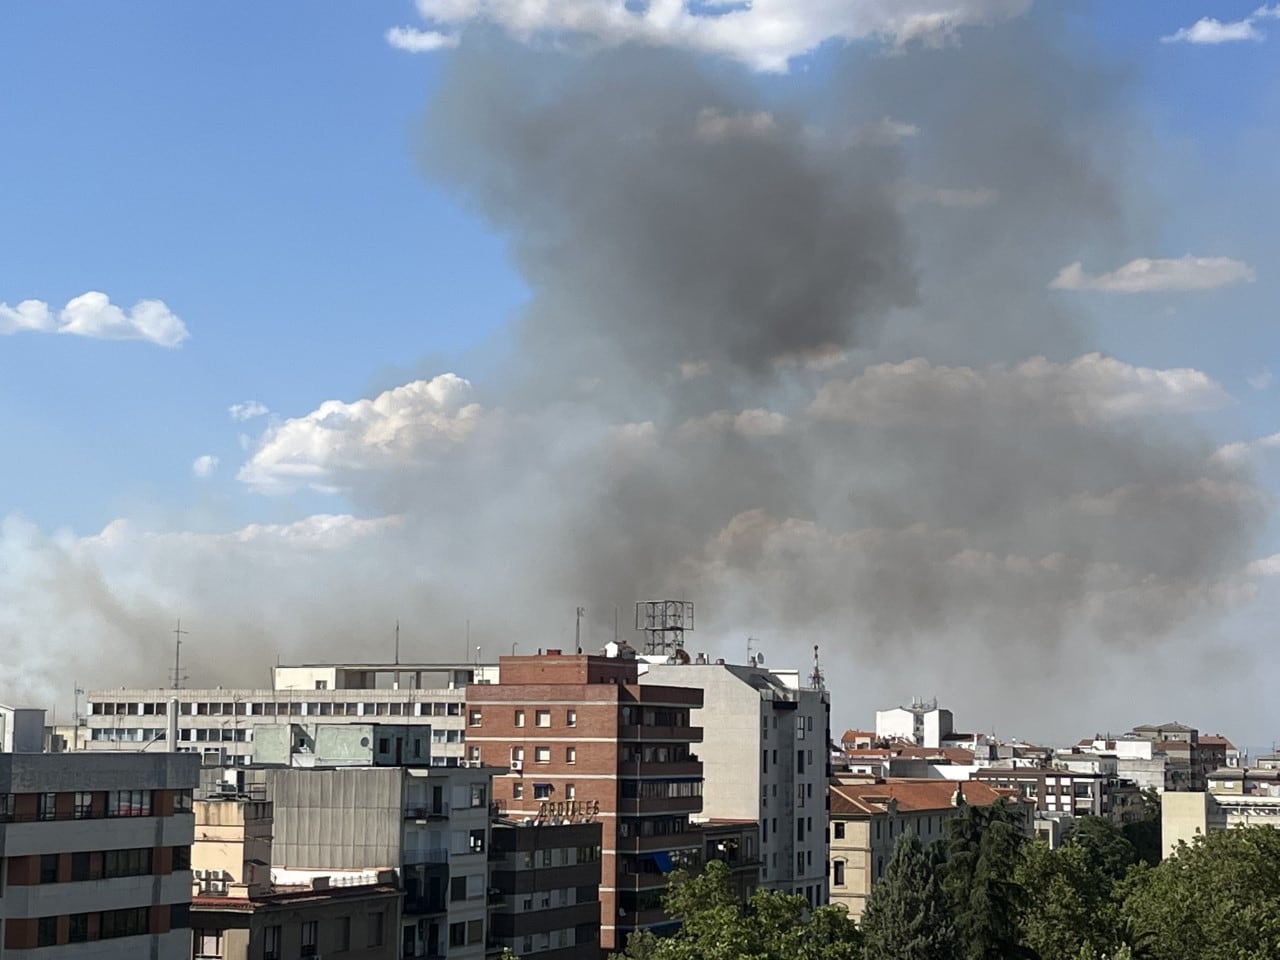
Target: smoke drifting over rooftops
(810,377)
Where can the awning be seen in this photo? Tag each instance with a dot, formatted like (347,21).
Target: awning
(663,860)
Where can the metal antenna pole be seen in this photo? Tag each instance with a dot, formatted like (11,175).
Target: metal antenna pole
(577,629)
(178,633)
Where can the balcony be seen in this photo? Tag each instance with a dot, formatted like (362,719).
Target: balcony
(657,734)
(422,814)
(661,768)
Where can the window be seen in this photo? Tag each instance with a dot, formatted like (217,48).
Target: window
(519,721)
(542,718)
(571,718)
(84,805)
(208,943)
(129,803)
(375,929)
(457,889)
(517,791)
(310,929)
(570,792)
(271,943)
(49,868)
(123,923)
(46,931)
(799,761)
(799,829)
(342,934)
(475,931)
(838,827)
(126,863)
(182,801)
(47,803)
(542,754)
(80,867)
(181,858)
(457,934)
(78,928)
(473,718)
(478,798)
(476,841)
(571,755)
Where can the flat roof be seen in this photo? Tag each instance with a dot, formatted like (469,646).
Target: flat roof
(404,666)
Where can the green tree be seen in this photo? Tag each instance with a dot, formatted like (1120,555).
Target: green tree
(1144,833)
(1215,899)
(716,925)
(907,916)
(1068,912)
(1110,854)
(983,851)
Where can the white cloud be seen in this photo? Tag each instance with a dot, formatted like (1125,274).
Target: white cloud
(885,132)
(1260,380)
(1091,388)
(413,40)
(753,423)
(204,466)
(692,369)
(1234,453)
(1145,275)
(93,315)
(714,125)
(1266,567)
(1210,30)
(819,359)
(766,34)
(399,427)
(247,410)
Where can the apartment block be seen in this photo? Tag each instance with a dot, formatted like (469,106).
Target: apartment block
(923,723)
(95,855)
(239,912)
(867,817)
(765,739)
(21,729)
(544,890)
(429,824)
(582,740)
(219,723)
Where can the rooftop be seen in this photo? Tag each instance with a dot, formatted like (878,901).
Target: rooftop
(911,795)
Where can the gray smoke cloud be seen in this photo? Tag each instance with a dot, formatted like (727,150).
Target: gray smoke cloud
(789,351)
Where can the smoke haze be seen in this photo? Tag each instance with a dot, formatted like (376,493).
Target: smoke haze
(789,351)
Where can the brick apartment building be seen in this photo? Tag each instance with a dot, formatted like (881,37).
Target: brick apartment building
(583,740)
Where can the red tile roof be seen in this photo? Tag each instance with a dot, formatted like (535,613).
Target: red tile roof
(911,795)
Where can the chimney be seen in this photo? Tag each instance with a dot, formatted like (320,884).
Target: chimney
(957,798)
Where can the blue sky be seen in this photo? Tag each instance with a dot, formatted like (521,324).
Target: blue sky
(259,172)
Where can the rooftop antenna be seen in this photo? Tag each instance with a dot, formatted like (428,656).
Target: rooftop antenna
(816,679)
(77,693)
(665,622)
(397,643)
(577,628)
(178,675)
(751,643)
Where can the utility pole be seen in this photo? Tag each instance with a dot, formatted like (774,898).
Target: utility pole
(178,677)
(577,629)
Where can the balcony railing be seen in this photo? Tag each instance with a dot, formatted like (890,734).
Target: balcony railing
(433,812)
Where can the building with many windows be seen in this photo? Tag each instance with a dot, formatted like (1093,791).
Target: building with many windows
(581,739)
(544,892)
(764,759)
(95,855)
(219,723)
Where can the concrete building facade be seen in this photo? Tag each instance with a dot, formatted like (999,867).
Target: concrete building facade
(21,729)
(764,759)
(923,723)
(220,723)
(581,739)
(95,855)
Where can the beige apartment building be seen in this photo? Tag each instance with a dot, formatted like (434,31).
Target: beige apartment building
(867,817)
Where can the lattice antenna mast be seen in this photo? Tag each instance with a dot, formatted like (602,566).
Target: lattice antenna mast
(178,675)
(664,623)
(816,679)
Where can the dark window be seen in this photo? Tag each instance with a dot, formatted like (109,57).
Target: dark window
(124,923)
(271,943)
(46,931)
(179,916)
(457,934)
(126,863)
(46,805)
(839,829)
(78,928)
(129,803)
(181,858)
(80,866)
(375,929)
(475,931)
(310,929)
(48,868)
(344,933)
(182,801)
(458,888)
(84,805)
(477,841)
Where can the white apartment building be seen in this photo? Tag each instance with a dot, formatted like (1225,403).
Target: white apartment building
(95,854)
(923,723)
(764,758)
(220,721)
